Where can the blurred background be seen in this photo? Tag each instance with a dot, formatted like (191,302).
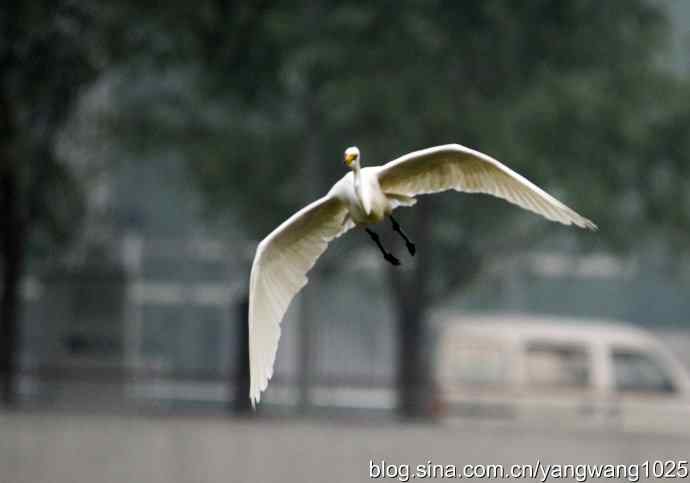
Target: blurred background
(145,150)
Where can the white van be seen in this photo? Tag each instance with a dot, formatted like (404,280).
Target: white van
(550,371)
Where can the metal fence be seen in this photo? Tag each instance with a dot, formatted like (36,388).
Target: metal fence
(163,323)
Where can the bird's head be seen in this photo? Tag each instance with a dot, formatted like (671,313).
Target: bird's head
(352,157)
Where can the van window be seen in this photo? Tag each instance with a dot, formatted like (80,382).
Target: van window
(636,371)
(473,362)
(558,366)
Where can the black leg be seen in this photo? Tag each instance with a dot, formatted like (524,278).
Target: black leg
(386,255)
(410,246)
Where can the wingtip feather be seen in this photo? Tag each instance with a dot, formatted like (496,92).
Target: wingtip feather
(589,225)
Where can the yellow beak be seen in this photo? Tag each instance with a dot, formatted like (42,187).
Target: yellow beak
(349,158)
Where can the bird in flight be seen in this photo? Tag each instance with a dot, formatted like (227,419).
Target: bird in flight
(365,196)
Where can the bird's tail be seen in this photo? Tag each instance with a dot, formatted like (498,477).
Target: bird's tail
(400,200)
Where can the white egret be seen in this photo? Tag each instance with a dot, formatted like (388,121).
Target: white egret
(362,197)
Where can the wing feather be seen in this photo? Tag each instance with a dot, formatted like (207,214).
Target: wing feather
(279,272)
(453,166)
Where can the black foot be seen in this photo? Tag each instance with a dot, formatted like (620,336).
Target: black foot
(390,258)
(410,246)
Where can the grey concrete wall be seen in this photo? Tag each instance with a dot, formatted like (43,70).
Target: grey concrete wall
(70,448)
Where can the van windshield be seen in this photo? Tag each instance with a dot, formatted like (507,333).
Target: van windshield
(635,371)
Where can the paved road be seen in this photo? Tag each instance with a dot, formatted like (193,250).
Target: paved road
(96,448)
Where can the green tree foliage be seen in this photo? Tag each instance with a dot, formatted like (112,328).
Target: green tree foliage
(261,99)
(48,52)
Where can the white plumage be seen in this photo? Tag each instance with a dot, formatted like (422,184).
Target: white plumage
(365,196)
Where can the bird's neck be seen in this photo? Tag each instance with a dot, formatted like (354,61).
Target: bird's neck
(356,172)
(364,201)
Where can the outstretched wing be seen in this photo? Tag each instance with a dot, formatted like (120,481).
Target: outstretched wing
(453,166)
(279,272)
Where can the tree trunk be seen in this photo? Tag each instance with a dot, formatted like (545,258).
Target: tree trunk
(308,358)
(12,246)
(241,404)
(412,301)
(413,365)
(12,250)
